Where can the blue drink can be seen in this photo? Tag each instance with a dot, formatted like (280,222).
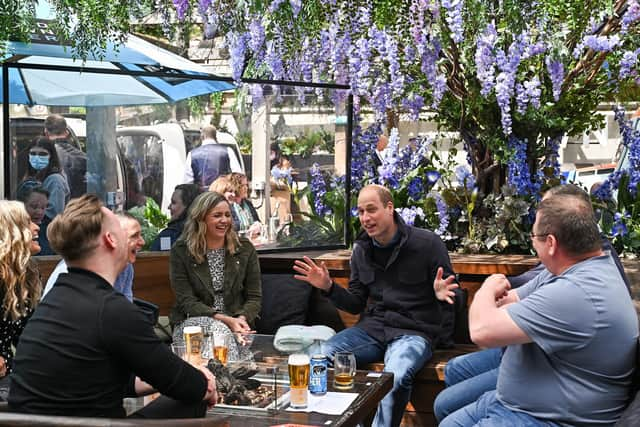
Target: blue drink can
(318,375)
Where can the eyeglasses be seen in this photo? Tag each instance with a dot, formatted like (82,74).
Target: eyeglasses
(533,235)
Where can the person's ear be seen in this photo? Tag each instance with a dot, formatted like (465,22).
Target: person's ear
(110,240)
(552,244)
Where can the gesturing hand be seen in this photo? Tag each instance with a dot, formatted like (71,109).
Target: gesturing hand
(310,272)
(444,287)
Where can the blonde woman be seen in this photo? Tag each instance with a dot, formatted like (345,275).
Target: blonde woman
(214,273)
(228,188)
(20,284)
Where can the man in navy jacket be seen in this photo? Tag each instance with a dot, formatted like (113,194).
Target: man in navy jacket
(397,286)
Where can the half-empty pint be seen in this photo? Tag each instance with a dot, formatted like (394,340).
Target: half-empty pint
(298,380)
(193,340)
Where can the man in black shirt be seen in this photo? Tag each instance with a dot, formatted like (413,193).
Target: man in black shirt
(86,346)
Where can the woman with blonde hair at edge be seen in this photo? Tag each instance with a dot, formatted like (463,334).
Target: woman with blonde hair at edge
(20,285)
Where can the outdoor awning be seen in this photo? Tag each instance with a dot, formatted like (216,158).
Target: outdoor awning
(45,73)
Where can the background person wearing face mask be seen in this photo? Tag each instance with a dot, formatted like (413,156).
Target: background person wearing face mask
(44,169)
(35,200)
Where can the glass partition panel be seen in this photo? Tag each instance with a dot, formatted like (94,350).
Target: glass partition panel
(288,145)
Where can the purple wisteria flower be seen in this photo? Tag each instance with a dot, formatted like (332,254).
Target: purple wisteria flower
(363,149)
(409,214)
(631,15)
(256,34)
(203,6)
(296,5)
(273,59)
(256,96)
(318,190)
(387,171)
(518,173)
(237,43)
(627,63)
(428,66)
(605,190)
(555,68)
(619,227)
(485,59)
(413,103)
(442,212)
(602,43)
(182,7)
(631,139)
(508,63)
(453,16)
(275,4)
(528,93)
(419,151)
(281,174)
(552,154)
(415,188)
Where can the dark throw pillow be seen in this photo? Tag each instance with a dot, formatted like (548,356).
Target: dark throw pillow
(285,301)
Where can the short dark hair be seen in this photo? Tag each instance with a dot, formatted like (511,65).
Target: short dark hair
(188,193)
(74,233)
(55,124)
(570,219)
(27,190)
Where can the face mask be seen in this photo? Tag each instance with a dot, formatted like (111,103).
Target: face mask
(38,162)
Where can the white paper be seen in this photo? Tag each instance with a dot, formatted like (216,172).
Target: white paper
(165,243)
(332,403)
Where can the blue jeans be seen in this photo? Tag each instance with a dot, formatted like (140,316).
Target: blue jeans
(467,378)
(489,412)
(404,356)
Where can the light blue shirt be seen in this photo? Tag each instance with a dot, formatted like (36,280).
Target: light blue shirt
(123,284)
(577,369)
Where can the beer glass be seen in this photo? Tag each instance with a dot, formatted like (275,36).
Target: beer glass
(298,380)
(193,338)
(344,370)
(221,347)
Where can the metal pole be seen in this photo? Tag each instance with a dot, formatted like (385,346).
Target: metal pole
(6,132)
(347,181)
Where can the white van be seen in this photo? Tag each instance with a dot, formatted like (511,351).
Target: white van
(154,159)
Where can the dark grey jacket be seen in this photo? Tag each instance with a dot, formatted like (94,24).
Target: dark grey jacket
(398,299)
(191,282)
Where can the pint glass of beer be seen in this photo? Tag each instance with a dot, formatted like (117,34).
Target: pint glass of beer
(298,380)
(344,370)
(193,340)
(221,347)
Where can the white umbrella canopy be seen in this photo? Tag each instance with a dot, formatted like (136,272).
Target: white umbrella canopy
(45,73)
